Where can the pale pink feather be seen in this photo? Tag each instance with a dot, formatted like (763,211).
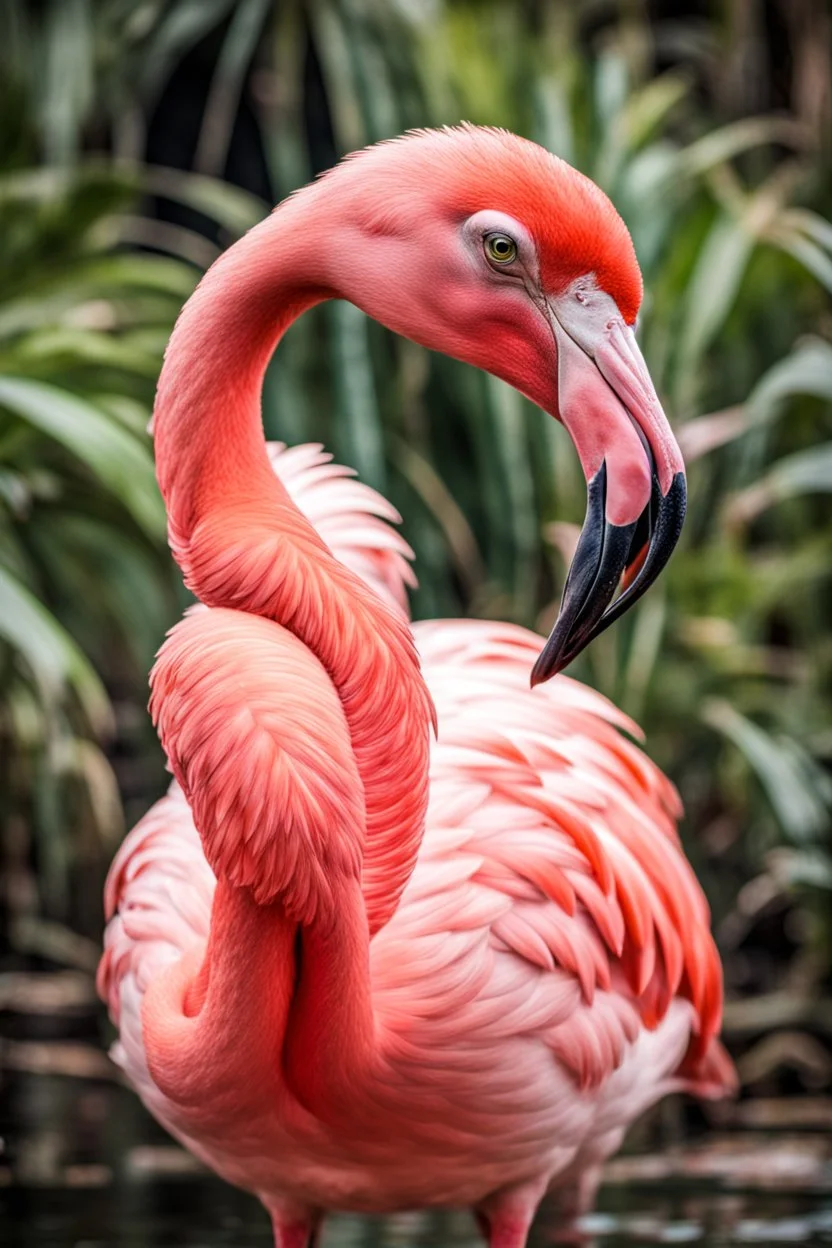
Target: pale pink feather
(355,521)
(551,948)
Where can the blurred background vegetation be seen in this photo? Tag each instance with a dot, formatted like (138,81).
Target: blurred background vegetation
(138,138)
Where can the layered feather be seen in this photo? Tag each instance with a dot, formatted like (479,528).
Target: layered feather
(550,898)
(355,521)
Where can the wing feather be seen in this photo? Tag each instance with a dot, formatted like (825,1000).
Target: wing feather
(157,899)
(551,897)
(574,829)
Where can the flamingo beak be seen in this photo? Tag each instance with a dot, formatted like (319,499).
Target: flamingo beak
(636,491)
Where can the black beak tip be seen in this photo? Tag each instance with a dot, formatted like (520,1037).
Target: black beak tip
(546,666)
(604,550)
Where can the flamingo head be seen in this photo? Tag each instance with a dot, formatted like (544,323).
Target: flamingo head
(484,246)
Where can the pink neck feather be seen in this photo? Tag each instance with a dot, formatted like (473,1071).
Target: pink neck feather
(242,543)
(309,1030)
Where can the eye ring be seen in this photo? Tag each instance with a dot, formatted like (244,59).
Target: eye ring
(499,248)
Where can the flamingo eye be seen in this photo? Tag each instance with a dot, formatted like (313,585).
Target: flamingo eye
(500,248)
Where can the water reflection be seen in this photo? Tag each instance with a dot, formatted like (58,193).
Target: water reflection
(201,1213)
(84,1167)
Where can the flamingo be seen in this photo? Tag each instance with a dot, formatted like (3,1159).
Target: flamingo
(409,930)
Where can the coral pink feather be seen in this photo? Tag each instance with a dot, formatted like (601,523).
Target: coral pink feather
(355,965)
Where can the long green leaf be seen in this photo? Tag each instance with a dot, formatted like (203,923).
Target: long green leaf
(119,460)
(794,785)
(359,421)
(808,253)
(805,472)
(724,144)
(807,370)
(182,25)
(229,206)
(68,81)
(54,659)
(649,107)
(811,223)
(716,279)
(224,97)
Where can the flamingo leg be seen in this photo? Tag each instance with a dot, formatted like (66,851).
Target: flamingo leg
(294,1235)
(508,1230)
(295,1229)
(505,1217)
(581,1198)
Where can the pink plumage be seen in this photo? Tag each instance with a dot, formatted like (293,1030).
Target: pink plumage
(405,932)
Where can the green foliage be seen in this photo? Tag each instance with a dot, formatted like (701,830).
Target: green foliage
(84,586)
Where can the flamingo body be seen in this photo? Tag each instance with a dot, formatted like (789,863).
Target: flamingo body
(356,962)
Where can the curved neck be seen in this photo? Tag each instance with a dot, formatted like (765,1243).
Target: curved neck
(242,543)
(210,452)
(330,1055)
(304,996)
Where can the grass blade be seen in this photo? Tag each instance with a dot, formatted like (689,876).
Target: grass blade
(784,770)
(121,462)
(53,658)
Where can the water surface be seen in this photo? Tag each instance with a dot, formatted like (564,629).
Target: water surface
(83,1166)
